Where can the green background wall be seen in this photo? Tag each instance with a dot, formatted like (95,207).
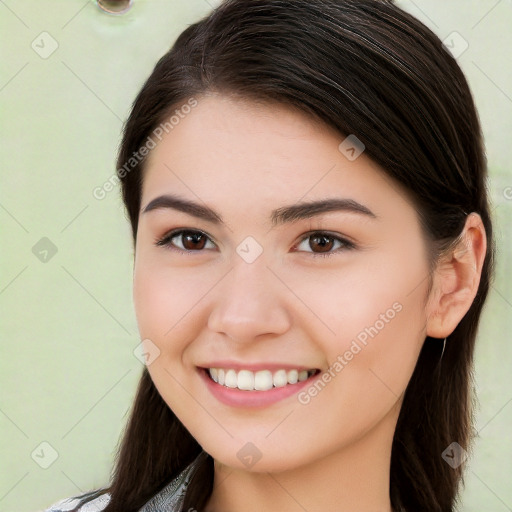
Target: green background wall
(68,330)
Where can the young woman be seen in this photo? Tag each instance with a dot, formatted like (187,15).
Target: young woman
(305,182)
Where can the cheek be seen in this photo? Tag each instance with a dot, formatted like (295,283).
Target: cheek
(153,301)
(169,303)
(163,297)
(166,306)
(369,321)
(371,358)
(381,297)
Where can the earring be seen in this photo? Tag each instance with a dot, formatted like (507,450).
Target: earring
(442,352)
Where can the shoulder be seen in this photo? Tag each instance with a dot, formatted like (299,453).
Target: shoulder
(67,504)
(170,498)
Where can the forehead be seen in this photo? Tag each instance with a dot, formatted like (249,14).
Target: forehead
(229,151)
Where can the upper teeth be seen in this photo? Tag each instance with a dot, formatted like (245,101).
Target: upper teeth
(260,381)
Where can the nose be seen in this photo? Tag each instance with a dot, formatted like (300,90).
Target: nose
(250,303)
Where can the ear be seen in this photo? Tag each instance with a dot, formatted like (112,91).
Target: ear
(456,279)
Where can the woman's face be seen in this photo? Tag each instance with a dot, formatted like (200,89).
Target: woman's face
(265,289)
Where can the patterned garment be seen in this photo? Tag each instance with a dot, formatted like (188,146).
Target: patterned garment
(169,499)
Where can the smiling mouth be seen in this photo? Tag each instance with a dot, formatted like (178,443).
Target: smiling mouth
(263,380)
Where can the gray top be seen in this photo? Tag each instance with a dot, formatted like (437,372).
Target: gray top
(170,498)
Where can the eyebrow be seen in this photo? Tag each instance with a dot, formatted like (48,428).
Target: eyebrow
(285,214)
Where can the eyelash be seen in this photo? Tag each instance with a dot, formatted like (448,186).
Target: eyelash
(165,241)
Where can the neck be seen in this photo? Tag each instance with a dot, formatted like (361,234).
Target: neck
(354,478)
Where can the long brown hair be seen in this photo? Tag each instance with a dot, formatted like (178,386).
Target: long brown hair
(364,67)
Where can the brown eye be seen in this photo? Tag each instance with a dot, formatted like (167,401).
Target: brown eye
(191,240)
(185,240)
(322,244)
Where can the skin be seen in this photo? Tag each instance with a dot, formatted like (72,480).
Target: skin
(243,160)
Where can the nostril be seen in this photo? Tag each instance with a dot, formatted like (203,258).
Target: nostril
(115,6)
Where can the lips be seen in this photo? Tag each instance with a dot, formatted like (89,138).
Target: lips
(261,380)
(257,389)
